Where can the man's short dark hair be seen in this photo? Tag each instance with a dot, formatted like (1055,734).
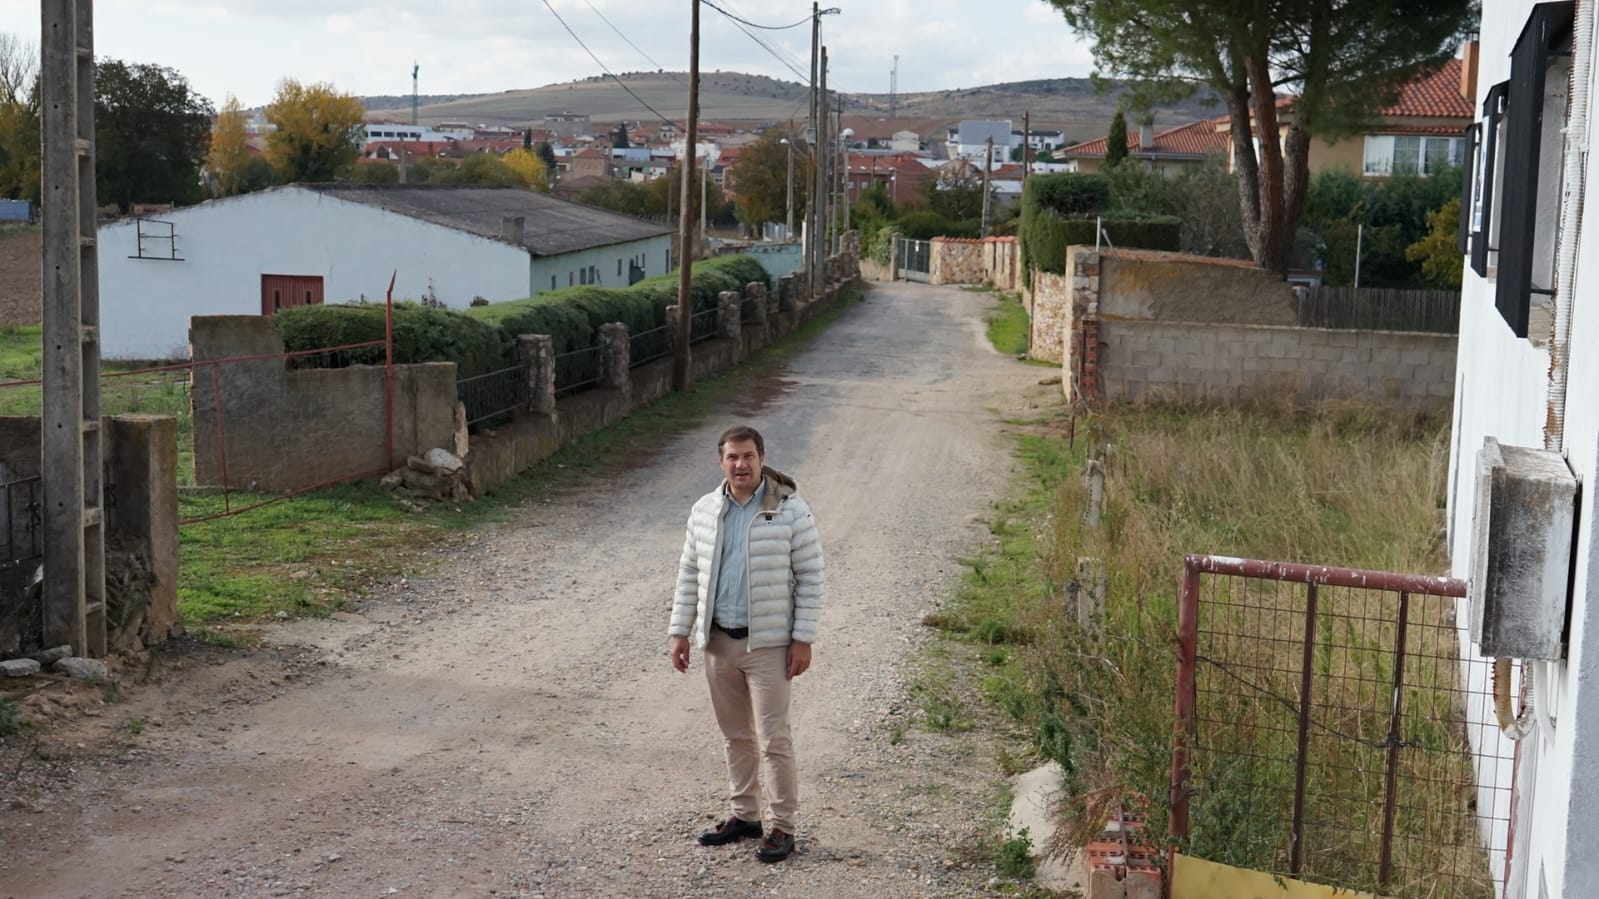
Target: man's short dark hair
(742,432)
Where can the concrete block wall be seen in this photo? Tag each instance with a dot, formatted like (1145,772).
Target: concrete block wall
(1225,363)
(287,429)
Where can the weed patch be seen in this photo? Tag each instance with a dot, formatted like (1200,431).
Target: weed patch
(1262,483)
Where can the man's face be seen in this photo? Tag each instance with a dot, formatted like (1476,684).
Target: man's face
(741,463)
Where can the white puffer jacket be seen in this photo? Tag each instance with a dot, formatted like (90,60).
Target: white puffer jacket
(785,568)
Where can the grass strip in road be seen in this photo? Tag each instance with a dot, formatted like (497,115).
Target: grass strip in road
(1009,325)
(308,554)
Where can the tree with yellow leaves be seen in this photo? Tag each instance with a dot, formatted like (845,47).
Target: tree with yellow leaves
(230,149)
(529,169)
(319,131)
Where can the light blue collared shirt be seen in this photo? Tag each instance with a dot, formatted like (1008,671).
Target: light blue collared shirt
(732,573)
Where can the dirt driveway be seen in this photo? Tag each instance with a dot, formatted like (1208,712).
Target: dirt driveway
(513,727)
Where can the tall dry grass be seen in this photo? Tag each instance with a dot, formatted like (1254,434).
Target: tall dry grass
(1346,486)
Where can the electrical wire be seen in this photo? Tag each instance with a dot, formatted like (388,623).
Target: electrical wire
(740,23)
(743,21)
(607,71)
(623,36)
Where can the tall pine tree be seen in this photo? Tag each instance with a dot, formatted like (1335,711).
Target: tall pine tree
(1116,141)
(1345,59)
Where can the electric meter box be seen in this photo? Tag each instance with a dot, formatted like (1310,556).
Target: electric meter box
(1523,522)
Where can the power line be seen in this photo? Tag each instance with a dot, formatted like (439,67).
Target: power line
(607,71)
(622,36)
(739,24)
(804,21)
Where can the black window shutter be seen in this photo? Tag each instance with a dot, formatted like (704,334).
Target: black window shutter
(1473,137)
(1523,139)
(1493,111)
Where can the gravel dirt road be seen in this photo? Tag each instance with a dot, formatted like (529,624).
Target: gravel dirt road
(512,726)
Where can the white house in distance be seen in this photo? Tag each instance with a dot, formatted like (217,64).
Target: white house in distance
(969,140)
(314,243)
(1527,376)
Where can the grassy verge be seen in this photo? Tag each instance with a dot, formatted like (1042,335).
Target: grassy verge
(1264,483)
(1009,325)
(308,554)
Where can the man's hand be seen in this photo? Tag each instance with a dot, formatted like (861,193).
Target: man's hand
(679,651)
(799,659)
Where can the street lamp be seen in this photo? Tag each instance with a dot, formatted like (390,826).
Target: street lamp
(841,227)
(788,231)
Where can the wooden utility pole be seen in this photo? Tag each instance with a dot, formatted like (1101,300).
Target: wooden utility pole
(1027,146)
(824,183)
(74,535)
(685,230)
(812,208)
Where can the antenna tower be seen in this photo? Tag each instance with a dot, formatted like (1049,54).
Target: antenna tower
(893,89)
(414,69)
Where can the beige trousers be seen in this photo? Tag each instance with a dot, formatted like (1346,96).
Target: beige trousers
(750,693)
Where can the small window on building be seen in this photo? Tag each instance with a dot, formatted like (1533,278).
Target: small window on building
(1486,181)
(1535,109)
(619,267)
(583,276)
(1410,154)
(571,278)
(552,282)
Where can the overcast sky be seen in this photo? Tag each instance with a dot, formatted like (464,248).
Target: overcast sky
(244,47)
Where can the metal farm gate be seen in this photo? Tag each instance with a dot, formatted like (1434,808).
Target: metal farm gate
(913,258)
(1325,722)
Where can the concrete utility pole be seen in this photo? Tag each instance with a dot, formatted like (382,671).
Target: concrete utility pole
(685,230)
(988,169)
(74,535)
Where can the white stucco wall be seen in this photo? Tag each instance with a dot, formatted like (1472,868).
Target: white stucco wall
(226,245)
(1502,393)
(652,253)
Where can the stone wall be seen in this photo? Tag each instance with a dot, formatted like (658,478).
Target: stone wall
(282,428)
(956,261)
(991,260)
(1227,363)
(141,531)
(1050,304)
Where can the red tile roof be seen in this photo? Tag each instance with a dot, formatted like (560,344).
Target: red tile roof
(1193,139)
(1435,96)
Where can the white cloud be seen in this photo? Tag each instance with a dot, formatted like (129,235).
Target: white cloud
(245,47)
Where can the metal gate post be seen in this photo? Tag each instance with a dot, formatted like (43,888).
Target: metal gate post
(1183,725)
(1296,850)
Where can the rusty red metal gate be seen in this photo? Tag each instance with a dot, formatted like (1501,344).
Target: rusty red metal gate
(1329,728)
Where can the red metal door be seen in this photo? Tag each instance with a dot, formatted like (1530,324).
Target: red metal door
(286,291)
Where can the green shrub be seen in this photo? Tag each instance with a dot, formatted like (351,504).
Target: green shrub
(480,339)
(421,334)
(1048,234)
(1068,193)
(924,225)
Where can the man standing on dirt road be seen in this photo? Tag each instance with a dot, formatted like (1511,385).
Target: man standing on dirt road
(749,593)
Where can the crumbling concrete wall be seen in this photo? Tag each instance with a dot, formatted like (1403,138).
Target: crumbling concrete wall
(262,425)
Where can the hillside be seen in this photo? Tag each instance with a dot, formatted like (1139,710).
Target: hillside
(1070,103)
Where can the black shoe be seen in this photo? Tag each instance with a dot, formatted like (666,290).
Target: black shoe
(731,830)
(775,847)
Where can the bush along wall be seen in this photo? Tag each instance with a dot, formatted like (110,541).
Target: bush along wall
(1060,210)
(481,339)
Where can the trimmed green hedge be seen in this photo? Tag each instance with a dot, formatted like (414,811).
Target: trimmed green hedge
(1059,211)
(482,338)
(1068,193)
(572,314)
(926,225)
(421,334)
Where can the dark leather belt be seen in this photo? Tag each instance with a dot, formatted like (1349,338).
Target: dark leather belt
(737,633)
